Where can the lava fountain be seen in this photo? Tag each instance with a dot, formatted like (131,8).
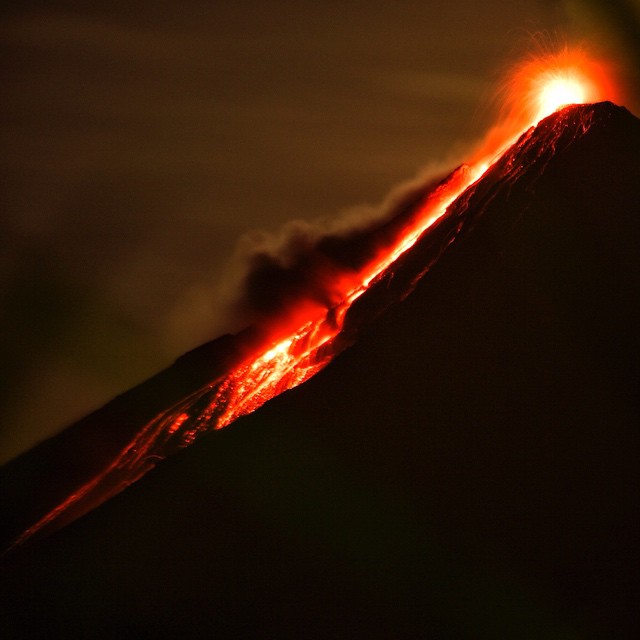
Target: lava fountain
(308,336)
(544,83)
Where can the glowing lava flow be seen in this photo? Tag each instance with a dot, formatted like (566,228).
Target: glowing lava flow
(301,351)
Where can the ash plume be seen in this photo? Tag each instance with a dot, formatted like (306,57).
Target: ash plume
(303,260)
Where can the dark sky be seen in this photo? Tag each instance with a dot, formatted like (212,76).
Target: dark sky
(140,141)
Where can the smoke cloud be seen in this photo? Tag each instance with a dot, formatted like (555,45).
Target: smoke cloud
(305,261)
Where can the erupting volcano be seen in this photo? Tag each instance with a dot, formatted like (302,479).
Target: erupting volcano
(305,336)
(557,140)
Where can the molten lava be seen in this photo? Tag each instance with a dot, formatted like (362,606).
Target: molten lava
(305,341)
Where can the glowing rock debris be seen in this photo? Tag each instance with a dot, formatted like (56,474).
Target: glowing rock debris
(309,338)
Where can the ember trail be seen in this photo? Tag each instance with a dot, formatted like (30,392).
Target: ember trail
(295,348)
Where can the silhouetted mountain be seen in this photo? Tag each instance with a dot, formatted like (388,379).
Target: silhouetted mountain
(468,468)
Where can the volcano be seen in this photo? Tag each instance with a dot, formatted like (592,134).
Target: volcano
(467,467)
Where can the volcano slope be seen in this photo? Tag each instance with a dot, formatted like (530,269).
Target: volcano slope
(467,469)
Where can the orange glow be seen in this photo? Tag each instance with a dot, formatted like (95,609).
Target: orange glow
(561,89)
(308,338)
(543,84)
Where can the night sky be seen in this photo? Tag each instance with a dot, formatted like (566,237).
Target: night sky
(142,141)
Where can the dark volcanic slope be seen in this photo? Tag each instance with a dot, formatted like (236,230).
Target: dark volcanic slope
(467,469)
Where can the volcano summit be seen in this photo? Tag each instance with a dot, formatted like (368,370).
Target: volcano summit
(467,468)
